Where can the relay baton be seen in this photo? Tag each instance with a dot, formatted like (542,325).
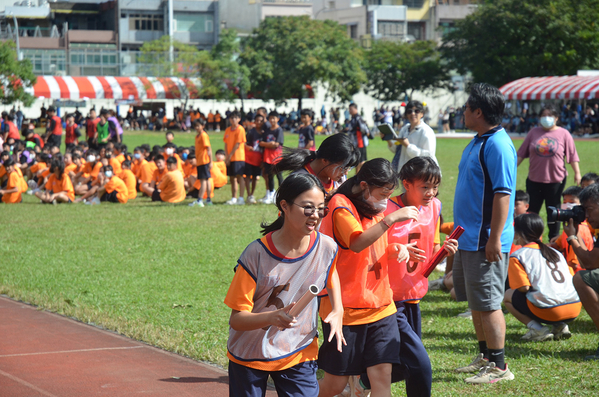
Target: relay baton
(441,254)
(301,304)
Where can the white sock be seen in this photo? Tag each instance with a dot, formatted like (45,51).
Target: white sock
(534,325)
(271,194)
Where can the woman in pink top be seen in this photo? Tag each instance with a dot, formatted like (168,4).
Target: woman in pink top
(549,148)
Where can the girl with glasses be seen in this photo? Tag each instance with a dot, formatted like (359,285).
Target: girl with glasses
(416,138)
(359,225)
(271,275)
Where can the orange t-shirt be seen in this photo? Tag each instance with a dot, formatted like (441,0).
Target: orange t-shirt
(92,171)
(563,246)
(157,175)
(231,138)
(70,168)
(136,167)
(14,181)
(210,117)
(116,183)
(116,165)
(61,185)
(146,172)
(219,174)
(131,183)
(189,170)
(37,167)
(172,187)
(202,143)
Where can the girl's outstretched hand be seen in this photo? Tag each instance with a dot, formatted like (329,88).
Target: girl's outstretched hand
(416,254)
(398,252)
(335,320)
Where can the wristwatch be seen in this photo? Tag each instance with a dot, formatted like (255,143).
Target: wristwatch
(571,238)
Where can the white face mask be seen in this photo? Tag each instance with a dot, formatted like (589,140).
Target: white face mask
(547,121)
(108,174)
(91,158)
(137,156)
(378,205)
(170,151)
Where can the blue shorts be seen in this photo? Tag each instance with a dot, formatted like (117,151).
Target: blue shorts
(297,381)
(367,345)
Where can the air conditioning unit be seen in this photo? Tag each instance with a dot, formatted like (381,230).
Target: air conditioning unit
(60,73)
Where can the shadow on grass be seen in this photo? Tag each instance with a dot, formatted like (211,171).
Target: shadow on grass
(194,379)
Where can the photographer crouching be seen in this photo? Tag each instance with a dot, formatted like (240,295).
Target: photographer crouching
(586,281)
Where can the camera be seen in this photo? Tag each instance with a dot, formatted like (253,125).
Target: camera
(576,213)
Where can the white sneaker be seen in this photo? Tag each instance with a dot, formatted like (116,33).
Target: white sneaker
(96,201)
(466,314)
(435,285)
(538,335)
(561,331)
(32,184)
(477,364)
(491,374)
(251,200)
(240,201)
(233,201)
(196,203)
(264,199)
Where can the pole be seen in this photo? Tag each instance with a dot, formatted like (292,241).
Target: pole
(19,56)
(171,32)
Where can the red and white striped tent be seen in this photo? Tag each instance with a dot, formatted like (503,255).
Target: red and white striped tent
(552,87)
(106,87)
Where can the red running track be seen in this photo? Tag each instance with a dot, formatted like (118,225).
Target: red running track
(44,354)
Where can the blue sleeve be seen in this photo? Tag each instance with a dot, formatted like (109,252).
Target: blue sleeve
(501,160)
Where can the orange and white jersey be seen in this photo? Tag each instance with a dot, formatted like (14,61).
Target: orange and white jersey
(406,278)
(276,281)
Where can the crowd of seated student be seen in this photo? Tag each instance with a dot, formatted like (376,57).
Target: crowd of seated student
(163,173)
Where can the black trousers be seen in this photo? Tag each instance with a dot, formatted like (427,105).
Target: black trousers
(551,193)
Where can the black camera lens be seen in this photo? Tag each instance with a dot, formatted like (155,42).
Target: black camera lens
(577,214)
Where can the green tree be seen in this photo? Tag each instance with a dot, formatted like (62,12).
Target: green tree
(15,76)
(188,63)
(397,69)
(285,54)
(504,40)
(226,54)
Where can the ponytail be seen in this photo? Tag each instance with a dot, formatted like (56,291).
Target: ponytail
(276,225)
(294,159)
(530,227)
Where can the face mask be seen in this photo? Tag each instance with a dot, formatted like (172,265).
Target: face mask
(547,121)
(108,174)
(170,151)
(137,156)
(378,205)
(184,156)
(567,206)
(91,159)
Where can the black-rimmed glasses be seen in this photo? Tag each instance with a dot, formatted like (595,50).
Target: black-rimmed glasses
(410,111)
(309,210)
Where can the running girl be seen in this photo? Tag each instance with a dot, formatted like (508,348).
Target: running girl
(541,289)
(271,275)
(359,226)
(330,163)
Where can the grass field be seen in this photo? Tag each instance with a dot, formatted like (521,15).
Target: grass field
(159,273)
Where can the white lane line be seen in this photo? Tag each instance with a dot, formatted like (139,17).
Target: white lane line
(29,385)
(71,351)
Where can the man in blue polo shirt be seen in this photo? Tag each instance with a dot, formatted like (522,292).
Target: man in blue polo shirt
(484,201)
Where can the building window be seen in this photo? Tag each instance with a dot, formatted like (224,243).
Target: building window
(446,27)
(353,31)
(390,28)
(416,29)
(413,3)
(146,22)
(202,23)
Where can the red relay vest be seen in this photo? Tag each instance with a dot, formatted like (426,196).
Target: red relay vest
(57,126)
(406,278)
